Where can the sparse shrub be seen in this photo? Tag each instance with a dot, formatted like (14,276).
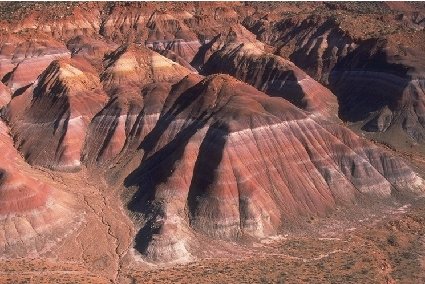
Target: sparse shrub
(392,240)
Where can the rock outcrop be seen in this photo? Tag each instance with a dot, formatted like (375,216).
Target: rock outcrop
(34,216)
(209,120)
(230,162)
(247,60)
(372,61)
(23,60)
(92,49)
(50,119)
(382,89)
(179,51)
(314,43)
(137,81)
(4,95)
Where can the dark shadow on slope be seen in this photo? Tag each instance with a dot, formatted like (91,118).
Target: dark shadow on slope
(309,60)
(264,73)
(199,58)
(9,75)
(152,227)
(111,109)
(358,97)
(283,84)
(182,103)
(114,112)
(21,90)
(207,163)
(157,168)
(152,172)
(112,57)
(53,97)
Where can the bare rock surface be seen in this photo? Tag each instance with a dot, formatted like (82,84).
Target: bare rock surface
(246,58)
(382,89)
(4,95)
(371,60)
(200,172)
(71,92)
(34,216)
(137,81)
(23,60)
(139,136)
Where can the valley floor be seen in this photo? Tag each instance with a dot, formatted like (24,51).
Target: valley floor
(380,250)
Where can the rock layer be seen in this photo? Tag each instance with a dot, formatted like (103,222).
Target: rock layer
(370,59)
(92,49)
(137,80)
(314,44)
(23,60)
(34,217)
(382,89)
(248,61)
(231,162)
(4,95)
(71,91)
(197,158)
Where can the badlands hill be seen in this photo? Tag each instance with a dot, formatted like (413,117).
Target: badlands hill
(141,135)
